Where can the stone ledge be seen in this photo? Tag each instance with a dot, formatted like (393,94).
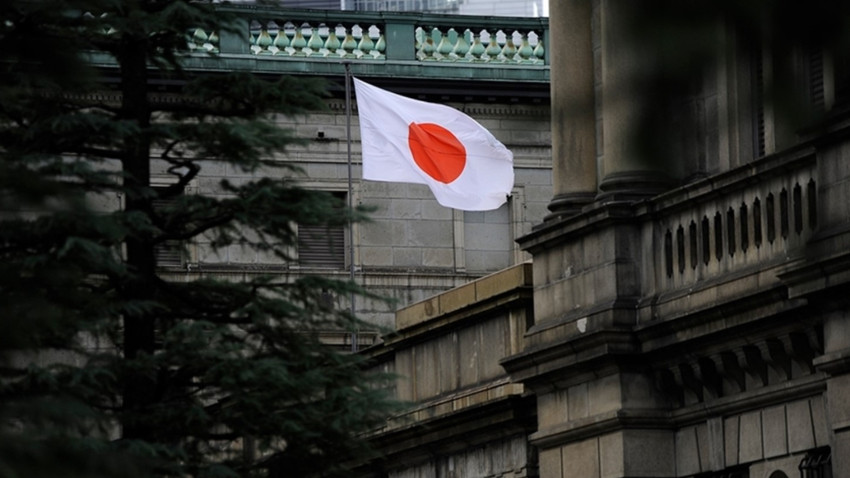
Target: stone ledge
(418,440)
(459,298)
(454,403)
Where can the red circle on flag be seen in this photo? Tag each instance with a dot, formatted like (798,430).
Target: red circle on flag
(436,151)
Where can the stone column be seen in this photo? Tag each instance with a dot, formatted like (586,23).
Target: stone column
(572,99)
(626,172)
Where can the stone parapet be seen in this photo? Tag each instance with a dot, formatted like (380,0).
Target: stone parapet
(468,296)
(465,416)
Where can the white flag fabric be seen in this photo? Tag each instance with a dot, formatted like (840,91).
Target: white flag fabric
(412,141)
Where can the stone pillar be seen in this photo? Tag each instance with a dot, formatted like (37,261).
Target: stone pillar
(572,100)
(625,171)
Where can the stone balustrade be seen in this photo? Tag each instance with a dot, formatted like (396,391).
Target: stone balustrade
(760,217)
(480,46)
(370,36)
(281,41)
(317,40)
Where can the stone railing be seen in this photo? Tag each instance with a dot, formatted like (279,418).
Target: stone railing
(369,36)
(480,46)
(317,40)
(749,218)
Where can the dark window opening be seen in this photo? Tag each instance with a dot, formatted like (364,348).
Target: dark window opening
(745,228)
(680,248)
(757,222)
(706,241)
(668,252)
(771,219)
(168,253)
(783,213)
(730,231)
(322,245)
(817,96)
(692,234)
(812,198)
(718,235)
(798,209)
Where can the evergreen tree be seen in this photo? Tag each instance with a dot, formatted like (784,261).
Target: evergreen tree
(106,369)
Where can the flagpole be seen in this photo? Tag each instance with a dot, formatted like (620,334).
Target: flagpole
(347,64)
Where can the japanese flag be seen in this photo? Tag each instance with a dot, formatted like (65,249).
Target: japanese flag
(412,141)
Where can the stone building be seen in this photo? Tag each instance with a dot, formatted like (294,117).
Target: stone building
(412,248)
(688,313)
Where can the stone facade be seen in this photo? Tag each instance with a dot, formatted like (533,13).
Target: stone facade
(413,247)
(467,418)
(690,319)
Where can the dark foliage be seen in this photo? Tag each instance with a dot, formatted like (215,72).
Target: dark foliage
(106,369)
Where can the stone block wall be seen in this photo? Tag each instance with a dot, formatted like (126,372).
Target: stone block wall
(505,458)
(413,247)
(466,418)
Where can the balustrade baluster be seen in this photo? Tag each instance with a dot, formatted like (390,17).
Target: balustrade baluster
(426,46)
(381,47)
(213,42)
(264,41)
(493,49)
(281,42)
(539,51)
(315,43)
(349,44)
(461,48)
(366,45)
(444,46)
(477,49)
(509,51)
(525,52)
(197,39)
(333,43)
(299,43)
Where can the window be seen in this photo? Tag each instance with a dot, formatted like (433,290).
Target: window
(321,245)
(817,464)
(168,253)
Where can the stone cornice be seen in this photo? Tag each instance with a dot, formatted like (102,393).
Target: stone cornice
(559,363)
(471,426)
(616,420)
(484,297)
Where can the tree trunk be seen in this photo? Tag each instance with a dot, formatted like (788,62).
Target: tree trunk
(139,325)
